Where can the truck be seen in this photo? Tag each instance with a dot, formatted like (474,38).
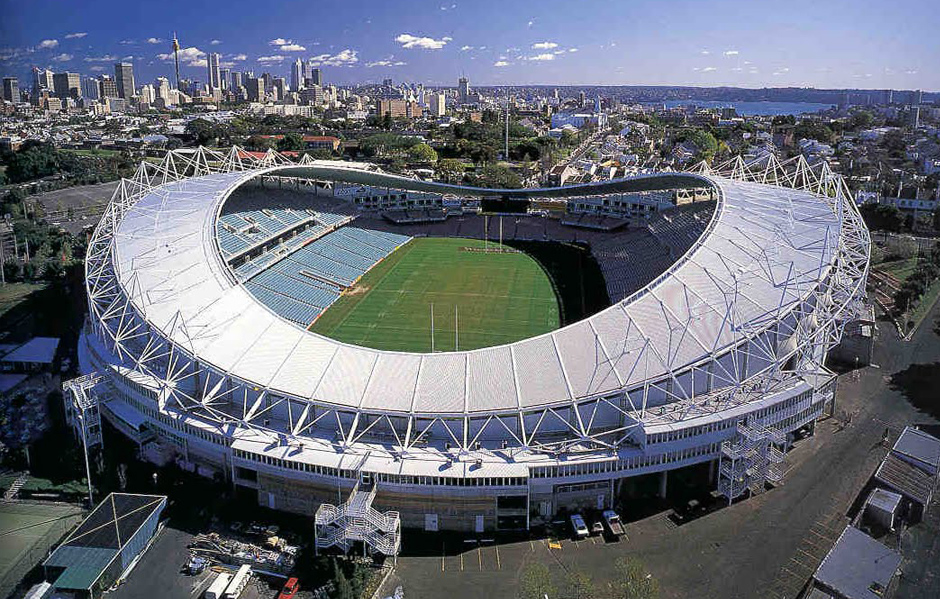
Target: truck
(218,586)
(612,519)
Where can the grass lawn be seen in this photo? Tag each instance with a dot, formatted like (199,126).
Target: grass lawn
(499,298)
(94,152)
(901,269)
(12,294)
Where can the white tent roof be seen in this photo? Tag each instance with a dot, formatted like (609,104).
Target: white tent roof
(766,248)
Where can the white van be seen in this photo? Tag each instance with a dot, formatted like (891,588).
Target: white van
(579,526)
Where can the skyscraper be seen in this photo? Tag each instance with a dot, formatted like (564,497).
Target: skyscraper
(161,89)
(67,85)
(91,88)
(255,87)
(109,88)
(280,84)
(224,76)
(463,90)
(215,77)
(11,89)
(236,80)
(582,98)
(42,79)
(124,77)
(438,104)
(297,75)
(315,77)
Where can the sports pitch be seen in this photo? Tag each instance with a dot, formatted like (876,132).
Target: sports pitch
(27,532)
(498,298)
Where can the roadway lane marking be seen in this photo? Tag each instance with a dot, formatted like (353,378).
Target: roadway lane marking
(443,555)
(480,557)
(499,566)
(461,562)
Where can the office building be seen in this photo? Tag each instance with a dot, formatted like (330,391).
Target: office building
(437,103)
(312,95)
(11,90)
(67,85)
(161,89)
(399,108)
(297,72)
(124,77)
(463,90)
(91,88)
(42,79)
(109,88)
(215,77)
(314,77)
(224,77)
(236,80)
(280,86)
(582,99)
(255,87)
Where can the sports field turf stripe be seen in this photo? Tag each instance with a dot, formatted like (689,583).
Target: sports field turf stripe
(500,298)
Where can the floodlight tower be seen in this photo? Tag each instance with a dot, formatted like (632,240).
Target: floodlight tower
(176,57)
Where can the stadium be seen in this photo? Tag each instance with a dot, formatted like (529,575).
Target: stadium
(324,336)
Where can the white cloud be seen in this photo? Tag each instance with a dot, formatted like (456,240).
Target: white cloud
(910,72)
(215,42)
(544,45)
(293,48)
(62,57)
(572,49)
(709,69)
(239,57)
(279,41)
(451,7)
(343,58)
(270,59)
(530,23)
(48,44)
(731,53)
(192,56)
(425,43)
(387,62)
(465,48)
(542,57)
(105,58)
(78,35)
(127,42)
(705,52)
(500,63)
(154,40)
(97,68)
(557,52)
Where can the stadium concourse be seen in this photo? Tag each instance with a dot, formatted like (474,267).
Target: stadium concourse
(206,270)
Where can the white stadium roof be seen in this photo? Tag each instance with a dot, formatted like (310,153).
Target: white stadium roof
(765,250)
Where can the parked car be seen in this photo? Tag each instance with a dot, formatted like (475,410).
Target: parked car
(196,565)
(579,527)
(597,528)
(290,589)
(612,519)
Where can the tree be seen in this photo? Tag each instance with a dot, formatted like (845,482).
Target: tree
(535,582)
(580,586)
(498,177)
(258,143)
(422,152)
(387,121)
(882,217)
(449,169)
(633,581)
(291,142)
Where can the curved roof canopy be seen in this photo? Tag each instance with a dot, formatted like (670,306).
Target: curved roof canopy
(766,248)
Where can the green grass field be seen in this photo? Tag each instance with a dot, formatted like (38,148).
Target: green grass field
(499,298)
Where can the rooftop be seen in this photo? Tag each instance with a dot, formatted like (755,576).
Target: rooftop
(38,350)
(858,566)
(918,445)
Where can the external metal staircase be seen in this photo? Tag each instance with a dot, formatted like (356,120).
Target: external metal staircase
(357,520)
(751,459)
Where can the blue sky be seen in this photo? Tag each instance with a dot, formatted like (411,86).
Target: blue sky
(819,43)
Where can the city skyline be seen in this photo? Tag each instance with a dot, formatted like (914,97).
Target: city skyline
(859,46)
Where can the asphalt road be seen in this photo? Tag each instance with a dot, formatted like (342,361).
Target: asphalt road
(764,546)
